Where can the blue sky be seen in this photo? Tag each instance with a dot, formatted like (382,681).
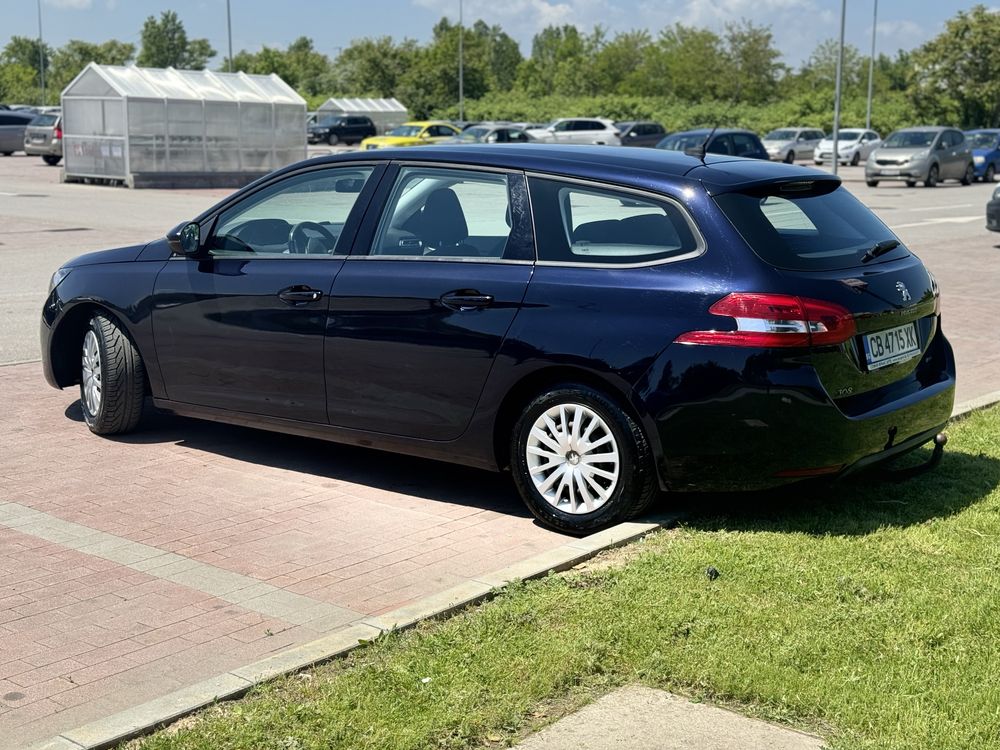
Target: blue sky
(798,25)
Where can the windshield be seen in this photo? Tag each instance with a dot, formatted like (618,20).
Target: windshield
(848,135)
(807,231)
(910,139)
(983,140)
(682,141)
(406,130)
(44,121)
(781,135)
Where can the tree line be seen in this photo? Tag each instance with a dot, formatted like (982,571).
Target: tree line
(678,74)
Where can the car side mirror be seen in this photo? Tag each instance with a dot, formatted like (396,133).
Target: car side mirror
(185,239)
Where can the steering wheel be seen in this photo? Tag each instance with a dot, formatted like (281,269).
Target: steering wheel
(298,239)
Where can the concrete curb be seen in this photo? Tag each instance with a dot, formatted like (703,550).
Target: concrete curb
(974,404)
(144,718)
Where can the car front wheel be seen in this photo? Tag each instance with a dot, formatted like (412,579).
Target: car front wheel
(969,176)
(332,139)
(112,378)
(790,157)
(990,174)
(932,177)
(580,462)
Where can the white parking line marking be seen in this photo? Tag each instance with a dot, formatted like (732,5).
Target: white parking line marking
(942,220)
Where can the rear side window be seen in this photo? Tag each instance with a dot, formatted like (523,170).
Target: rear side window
(807,230)
(744,144)
(582,224)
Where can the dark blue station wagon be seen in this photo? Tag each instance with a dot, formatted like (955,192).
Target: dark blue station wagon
(604,323)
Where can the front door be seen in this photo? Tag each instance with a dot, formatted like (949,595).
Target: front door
(242,326)
(420,309)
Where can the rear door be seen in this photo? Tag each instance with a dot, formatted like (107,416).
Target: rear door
(815,241)
(421,307)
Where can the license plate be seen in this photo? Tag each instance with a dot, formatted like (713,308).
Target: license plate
(891,346)
(38,139)
(890,172)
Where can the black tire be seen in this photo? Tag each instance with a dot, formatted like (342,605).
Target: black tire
(122,380)
(991,173)
(871,183)
(932,176)
(332,139)
(969,176)
(911,183)
(52,160)
(790,158)
(636,485)
(856,159)
(8,153)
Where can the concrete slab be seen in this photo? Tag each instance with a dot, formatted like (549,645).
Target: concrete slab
(640,718)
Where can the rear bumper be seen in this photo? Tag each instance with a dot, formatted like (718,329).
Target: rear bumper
(49,149)
(729,423)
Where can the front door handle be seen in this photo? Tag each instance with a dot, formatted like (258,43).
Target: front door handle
(300,294)
(466,299)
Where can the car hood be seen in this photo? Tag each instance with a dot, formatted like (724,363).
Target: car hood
(391,140)
(539,132)
(909,151)
(827,143)
(777,144)
(984,151)
(115,255)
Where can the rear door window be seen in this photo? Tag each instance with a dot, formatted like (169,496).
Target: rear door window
(593,225)
(805,228)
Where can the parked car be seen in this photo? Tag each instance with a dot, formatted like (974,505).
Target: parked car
(726,141)
(590,130)
(993,212)
(418,133)
(985,146)
(646,321)
(334,129)
(12,126)
(853,147)
(789,144)
(43,137)
(638,133)
(490,133)
(921,154)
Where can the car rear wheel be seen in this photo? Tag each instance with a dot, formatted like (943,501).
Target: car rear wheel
(856,159)
(112,378)
(790,158)
(991,173)
(932,176)
(580,462)
(332,139)
(52,160)
(969,176)
(8,153)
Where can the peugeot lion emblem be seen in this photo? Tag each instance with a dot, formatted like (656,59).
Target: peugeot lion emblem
(901,288)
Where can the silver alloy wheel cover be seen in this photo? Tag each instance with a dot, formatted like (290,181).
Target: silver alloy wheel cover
(572,458)
(91,381)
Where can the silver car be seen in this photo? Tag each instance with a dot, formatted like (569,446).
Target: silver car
(922,154)
(43,137)
(596,130)
(854,146)
(789,144)
(12,125)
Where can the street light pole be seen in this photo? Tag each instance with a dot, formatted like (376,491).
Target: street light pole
(229,28)
(836,96)
(461,63)
(41,53)
(871,69)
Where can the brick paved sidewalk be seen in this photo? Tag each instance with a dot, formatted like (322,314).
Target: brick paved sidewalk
(132,567)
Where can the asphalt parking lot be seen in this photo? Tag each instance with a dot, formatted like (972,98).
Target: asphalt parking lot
(130,567)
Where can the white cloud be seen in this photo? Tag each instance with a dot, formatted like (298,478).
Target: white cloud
(70,4)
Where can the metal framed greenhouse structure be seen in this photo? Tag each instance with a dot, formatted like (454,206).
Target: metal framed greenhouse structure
(384,113)
(149,127)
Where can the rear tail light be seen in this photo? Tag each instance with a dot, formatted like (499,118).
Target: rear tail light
(57,134)
(776,320)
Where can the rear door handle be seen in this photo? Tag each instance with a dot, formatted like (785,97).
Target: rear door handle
(300,294)
(466,299)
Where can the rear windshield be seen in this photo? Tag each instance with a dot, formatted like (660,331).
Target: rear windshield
(44,121)
(806,231)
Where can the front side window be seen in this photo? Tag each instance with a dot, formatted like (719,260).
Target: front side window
(303,215)
(580,224)
(446,213)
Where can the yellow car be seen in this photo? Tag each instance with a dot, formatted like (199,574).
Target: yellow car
(412,134)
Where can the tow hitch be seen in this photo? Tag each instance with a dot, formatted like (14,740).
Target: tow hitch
(901,475)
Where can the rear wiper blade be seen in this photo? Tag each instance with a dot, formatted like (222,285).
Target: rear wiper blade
(880,248)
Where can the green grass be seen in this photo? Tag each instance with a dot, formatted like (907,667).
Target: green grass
(869,612)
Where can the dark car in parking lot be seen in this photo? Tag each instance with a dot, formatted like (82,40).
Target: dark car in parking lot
(12,126)
(347,129)
(727,141)
(604,323)
(640,133)
(993,212)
